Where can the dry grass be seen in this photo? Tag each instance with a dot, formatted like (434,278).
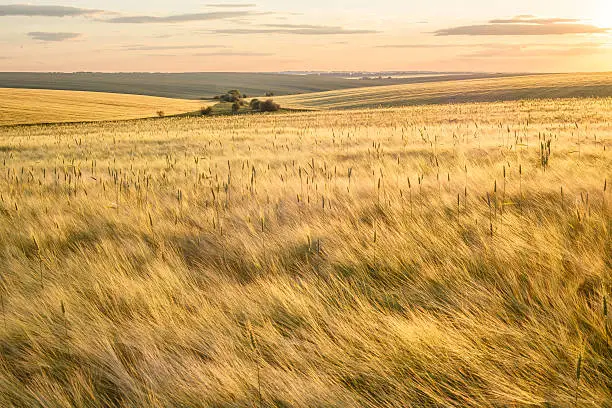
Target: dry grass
(451,91)
(226,262)
(26,106)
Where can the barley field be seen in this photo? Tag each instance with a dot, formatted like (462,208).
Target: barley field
(520,87)
(431,256)
(27,106)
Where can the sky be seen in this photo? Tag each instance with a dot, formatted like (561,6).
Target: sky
(311,35)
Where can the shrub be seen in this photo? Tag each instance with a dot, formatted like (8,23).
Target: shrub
(235,107)
(234,95)
(206,110)
(254,104)
(161,113)
(268,106)
(231,96)
(268,94)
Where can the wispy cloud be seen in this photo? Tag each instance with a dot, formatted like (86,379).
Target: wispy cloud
(233,5)
(53,36)
(294,29)
(533,20)
(525,25)
(537,52)
(522,29)
(217,54)
(504,49)
(426,46)
(233,54)
(296,26)
(179,18)
(47,11)
(169,47)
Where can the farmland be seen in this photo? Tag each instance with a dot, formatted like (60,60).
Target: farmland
(24,106)
(453,91)
(197,85)
(426,256)
(28,106)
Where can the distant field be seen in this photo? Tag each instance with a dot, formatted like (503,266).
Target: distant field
(204,85)
(474,90)
(23,106)
(26,106)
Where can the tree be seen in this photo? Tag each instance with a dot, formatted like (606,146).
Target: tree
(231,96)
(235,107)
(254,104)
(268,106)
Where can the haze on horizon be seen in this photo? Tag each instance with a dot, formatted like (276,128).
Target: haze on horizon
(272,35)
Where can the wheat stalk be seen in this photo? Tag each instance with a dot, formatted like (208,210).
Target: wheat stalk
(38,255)
(521,188)
(257,357)
(490,213)
(64,319)
(603,202)
(605,318)
(2,290)
(578,374)
(410,194)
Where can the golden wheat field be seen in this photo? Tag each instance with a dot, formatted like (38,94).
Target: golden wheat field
(577,85)
(26,106)
(434,256)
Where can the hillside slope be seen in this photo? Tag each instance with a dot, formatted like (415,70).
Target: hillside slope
(474,90)
(25,106)
(199,85)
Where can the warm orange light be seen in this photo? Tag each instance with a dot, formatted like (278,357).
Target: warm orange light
(603,14)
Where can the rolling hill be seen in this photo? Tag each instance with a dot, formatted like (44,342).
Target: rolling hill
(25,106)
(206,84)
(454,91)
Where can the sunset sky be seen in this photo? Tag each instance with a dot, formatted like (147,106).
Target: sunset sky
(274,35)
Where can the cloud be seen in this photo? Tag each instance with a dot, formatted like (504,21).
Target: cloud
(426,46)
(234,5)
(533,20)
(499,49)
(56,37)
(47,11)
(532,53)
(233,54)
(537,50)
(294,29)
(169,47)
(180,18)
(522,29)
(295,26)
(216,54)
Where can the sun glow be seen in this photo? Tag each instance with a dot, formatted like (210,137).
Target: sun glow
(602,14)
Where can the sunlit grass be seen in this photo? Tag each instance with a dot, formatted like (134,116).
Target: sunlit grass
(452,91)
(25,106)
(374,258)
